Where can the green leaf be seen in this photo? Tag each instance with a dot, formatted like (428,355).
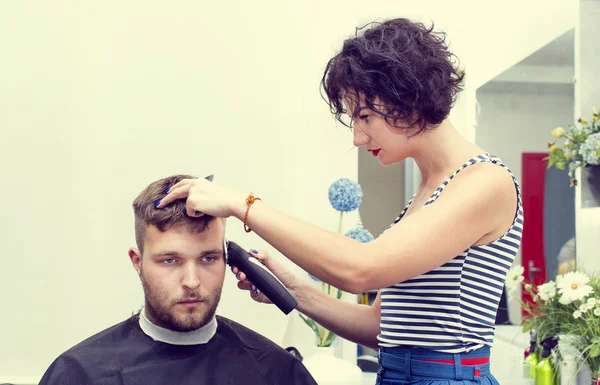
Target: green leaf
(313,325)
(595,350)
(528,325)
(329,340)
(560,154)
(551,161)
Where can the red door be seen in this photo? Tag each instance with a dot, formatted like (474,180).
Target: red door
(532,192)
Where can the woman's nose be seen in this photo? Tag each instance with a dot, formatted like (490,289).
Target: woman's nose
(360,138)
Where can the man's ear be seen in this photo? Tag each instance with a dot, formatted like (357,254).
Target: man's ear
(136,259)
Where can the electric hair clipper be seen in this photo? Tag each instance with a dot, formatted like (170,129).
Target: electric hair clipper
(261,277)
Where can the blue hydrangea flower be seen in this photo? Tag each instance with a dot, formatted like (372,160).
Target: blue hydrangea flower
(360,234)
(590,149)
(345,195)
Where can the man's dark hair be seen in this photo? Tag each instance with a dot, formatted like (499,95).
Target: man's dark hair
(172,215)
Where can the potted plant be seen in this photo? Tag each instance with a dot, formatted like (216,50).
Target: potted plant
(580,148)
(345,196)
(568,307)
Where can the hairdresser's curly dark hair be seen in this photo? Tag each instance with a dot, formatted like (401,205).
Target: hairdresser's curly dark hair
(404,64)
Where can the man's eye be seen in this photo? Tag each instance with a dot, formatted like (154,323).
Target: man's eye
(169,261)
(209,259)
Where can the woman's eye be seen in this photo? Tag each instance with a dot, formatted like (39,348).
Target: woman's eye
(364,117)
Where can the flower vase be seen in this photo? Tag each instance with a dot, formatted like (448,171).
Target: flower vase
(593,181)
(327,369)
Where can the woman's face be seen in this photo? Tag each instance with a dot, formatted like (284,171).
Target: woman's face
(389,144)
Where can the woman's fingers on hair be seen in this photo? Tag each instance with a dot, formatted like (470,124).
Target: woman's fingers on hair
(174,194)
(191,210)
(178,184)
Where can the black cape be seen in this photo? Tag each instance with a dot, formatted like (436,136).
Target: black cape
(125,355)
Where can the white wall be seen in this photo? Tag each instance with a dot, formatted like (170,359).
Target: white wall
(383,189)
(99,99)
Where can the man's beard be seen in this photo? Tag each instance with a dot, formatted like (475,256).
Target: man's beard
(163,315)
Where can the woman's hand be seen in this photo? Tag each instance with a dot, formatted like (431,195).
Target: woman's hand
(205,197)
(287,278)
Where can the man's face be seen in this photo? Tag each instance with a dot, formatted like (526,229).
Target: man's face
(182,272)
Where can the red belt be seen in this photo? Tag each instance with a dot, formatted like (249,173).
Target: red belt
(464,361)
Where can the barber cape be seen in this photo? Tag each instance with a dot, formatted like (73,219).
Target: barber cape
(125,355)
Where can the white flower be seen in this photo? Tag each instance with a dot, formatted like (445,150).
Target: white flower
(547,291)
(572,287)
(576,314)
(583,308)
(514,278)
(588,307)
(597,312)
(592,301)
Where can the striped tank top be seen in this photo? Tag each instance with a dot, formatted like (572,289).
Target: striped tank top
(452,308)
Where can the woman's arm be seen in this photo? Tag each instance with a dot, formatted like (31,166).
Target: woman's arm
(481,202)
(354,322)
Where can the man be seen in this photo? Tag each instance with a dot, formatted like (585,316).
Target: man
(176,339)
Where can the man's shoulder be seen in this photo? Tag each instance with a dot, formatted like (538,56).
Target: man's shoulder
(111,336)
(275,363)
(81,362)
(244,333)
(248,336)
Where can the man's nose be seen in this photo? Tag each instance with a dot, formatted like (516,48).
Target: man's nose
(191,279)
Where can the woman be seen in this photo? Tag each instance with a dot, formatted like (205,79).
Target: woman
(441,266)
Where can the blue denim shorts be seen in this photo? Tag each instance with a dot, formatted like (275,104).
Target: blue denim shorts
(417,366)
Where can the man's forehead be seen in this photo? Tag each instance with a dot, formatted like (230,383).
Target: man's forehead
(212,236)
